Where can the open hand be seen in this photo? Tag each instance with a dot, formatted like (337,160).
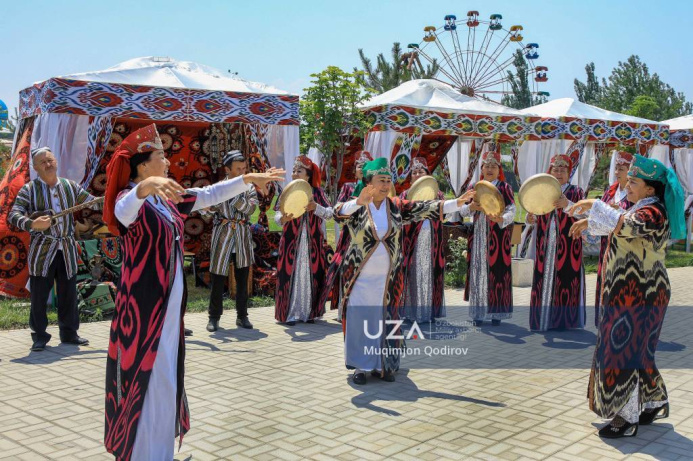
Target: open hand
(366,196)
(582,207)
(164,188)
(578,228)
(261,179)
(311,205)
(476,206)
(495,218)
(531,219)
(466,197)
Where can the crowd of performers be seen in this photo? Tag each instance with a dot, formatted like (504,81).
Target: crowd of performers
(388,265)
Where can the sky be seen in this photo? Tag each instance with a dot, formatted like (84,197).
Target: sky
(282,42)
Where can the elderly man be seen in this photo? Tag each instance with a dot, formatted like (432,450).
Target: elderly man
(53,250)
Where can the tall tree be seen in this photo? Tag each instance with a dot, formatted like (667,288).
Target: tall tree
(330,117)
(589,92)
(521,97)
(386,75)
(631,88)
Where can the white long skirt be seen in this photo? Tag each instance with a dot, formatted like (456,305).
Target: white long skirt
(156,429)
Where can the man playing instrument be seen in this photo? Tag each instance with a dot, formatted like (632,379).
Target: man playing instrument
(53,250)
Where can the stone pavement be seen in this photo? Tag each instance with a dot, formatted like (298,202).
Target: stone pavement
(283,393)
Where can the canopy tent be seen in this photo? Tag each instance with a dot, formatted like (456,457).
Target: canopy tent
(200,113)
(681,158)
(585,133)
(429,118)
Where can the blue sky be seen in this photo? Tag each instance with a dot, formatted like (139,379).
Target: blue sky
(282,42)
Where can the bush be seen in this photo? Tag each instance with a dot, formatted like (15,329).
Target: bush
(456,265)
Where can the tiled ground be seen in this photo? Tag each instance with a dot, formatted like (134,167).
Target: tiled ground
(283,393)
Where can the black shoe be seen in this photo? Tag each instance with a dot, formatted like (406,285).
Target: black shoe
(388,377)
(244,323)
(292,323)
(77,341)
(39,345)
(187,332)
(648,416)
(359,378)
(213,325)
(626,429)
(477,323)
(310,321)
(495,322)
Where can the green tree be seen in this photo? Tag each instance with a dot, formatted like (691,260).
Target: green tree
(521,97)
(386,75)
(644,107)
(632,79)
(589,92)
(330,117)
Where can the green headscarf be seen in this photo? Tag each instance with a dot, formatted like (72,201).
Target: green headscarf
(654,170)
(370,169)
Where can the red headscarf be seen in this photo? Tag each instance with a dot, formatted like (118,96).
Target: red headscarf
(305,162)
(362,157)
(118,170)
(492,156)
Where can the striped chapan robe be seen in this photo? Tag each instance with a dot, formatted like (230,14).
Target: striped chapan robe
(231,233)
(635,295)
(301,269)
(36,196)
(608,197)
(558,286)
(364,241)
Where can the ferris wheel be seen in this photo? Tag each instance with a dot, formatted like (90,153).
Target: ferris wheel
(477,64)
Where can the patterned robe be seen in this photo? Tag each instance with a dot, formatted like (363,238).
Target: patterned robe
(329,293)
(410,234)
(498,259)
(151,246)
(635,295)
(36,196)
(364,242)
(288,245)
(231,233)
(563,295)
(608,197)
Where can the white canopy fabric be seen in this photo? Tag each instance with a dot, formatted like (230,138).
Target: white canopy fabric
(167,72)
(437,96)
(569,107)
(680,123)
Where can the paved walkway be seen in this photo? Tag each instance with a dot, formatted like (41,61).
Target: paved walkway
(283,393)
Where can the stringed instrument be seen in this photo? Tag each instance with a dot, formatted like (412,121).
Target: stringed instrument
(54,216)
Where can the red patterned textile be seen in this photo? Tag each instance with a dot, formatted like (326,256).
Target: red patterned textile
(14,244)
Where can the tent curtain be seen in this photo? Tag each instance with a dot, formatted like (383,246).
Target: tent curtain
(381,143)
(99,133)
(458,163)
(68,138)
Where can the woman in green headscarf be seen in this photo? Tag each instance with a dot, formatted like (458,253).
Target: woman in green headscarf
(625,385)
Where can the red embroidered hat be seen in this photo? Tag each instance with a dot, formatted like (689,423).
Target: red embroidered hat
(493,157)
(118,170)
(561,160)
(623,158)
(304,162)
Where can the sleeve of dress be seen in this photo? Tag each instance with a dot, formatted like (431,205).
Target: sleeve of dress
(348,208)
(465,212)
(324,213)
(645,221)
(127,207)
(602,219)
(217,193)
(418,211)
(450,206)
(508,216)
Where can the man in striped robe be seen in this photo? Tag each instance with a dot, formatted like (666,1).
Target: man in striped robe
(53,250)
(232,243)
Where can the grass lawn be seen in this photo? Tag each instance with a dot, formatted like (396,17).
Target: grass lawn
(14,313)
